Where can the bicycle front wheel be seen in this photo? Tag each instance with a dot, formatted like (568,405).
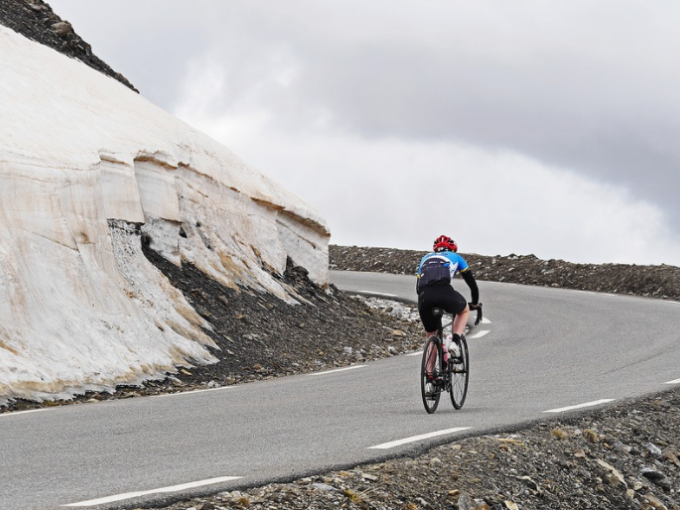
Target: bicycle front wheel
(431,374)
(459,371)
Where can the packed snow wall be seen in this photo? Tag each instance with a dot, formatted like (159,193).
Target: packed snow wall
(87,169)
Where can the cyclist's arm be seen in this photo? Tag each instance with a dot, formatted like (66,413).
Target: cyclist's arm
(472,283)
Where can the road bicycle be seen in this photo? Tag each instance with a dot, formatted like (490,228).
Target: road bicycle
(439,374)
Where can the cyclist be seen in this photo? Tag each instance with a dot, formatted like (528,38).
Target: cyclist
(434,288)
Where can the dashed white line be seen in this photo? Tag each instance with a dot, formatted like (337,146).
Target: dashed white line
(194,391)
(580,406)
(419,353)
(174,488)
(338,370)
(21,412)
(676,381)
(485,321)
(413,439)
(376,293)
(480,334)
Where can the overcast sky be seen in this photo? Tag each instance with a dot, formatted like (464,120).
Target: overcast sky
(515,127)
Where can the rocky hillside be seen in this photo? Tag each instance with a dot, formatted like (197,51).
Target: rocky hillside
(36,20)
(661,282)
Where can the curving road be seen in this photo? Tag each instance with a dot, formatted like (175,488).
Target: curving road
(546,351)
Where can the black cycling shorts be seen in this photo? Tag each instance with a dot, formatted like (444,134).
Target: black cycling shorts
(441,296)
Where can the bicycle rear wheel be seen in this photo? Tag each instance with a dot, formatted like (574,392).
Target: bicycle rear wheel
(459,372)
(431,374)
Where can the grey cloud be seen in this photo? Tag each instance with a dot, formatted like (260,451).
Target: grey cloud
(613,126)
(148,42)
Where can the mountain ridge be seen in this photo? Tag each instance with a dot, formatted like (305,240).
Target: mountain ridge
(36,20)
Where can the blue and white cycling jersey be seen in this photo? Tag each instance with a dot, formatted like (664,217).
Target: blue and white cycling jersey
(454,261)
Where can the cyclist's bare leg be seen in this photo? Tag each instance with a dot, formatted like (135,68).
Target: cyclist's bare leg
(460,321)
(430,358)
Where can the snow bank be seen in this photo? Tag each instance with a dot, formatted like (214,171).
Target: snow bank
(87,167)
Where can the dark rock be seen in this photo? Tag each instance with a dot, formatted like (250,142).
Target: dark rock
(62,28)
(657,477)
(653,450)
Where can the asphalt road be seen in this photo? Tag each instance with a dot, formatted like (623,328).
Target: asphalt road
(544,350)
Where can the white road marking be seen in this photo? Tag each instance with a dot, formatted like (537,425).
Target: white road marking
(480,334)
(376,293)
(485,321)
(676,381)
(174,488)
(22,412)
(338,370)
(194,391)
(419,353)
(579,406)
(413,439)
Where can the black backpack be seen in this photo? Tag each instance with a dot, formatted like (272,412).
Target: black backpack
(434,271)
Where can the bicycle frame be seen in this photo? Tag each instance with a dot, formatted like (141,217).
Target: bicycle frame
(441,372)
(468,328)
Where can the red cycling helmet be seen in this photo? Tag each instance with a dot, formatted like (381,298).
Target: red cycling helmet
(445,243)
